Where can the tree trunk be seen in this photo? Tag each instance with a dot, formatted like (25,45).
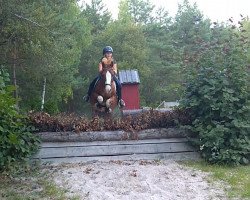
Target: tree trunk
(43,94)
(15,57)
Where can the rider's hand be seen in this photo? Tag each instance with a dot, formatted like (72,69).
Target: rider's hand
(107,61)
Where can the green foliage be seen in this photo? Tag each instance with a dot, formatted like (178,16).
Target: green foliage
(124,16)
(17,142)
(141,11)
(164,65)
(98,18)
(63,43)
(46,38)
(216,94)
(126,38)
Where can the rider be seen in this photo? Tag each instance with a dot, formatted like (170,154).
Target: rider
(107,59)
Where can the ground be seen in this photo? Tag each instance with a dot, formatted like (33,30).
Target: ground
(136,180)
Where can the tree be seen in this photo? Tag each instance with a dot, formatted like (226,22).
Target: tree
(163,60)
(45,40)
(245,35)
(190,26)
(124,15)
(98,18)
(129,44)
(123,35)
(141,11)
(181,39)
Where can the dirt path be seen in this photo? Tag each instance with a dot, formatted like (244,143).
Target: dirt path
(140,180)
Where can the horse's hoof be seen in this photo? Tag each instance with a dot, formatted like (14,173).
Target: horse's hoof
(98,105)
(100,99)
(108,103)
(121,103)
(109,110)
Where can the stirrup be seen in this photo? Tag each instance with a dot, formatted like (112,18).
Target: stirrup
(121,103)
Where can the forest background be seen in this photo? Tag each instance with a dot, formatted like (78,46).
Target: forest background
(58,44)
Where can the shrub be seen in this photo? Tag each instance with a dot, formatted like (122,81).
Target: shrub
(217,97)
(17,143)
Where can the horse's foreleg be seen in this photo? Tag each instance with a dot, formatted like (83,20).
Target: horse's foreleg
(99,99)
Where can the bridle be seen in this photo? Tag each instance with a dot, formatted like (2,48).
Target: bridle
(108,80)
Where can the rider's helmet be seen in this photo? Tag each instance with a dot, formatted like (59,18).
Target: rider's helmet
(107,49)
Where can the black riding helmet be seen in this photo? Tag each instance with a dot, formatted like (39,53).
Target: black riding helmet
(107,49)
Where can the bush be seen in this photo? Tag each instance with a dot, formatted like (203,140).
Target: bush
(219,113)
(218,100)
(17,143)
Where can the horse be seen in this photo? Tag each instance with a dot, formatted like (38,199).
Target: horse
(103,98)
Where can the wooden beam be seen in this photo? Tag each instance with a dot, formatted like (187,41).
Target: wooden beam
(108,143)
(158,156)
(112,135)
(113,149)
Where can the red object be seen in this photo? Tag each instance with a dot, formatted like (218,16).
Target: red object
(130,88)
(130,94)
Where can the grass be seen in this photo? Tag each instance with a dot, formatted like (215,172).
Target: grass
(238,177)
(30,184)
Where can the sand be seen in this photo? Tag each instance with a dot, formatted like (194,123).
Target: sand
(136,180)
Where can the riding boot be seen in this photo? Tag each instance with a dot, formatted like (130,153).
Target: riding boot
(121,103)
(86,98)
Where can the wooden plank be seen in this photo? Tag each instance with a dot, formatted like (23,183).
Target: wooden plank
(126,149)
(112,135)
(108,143)
(135,112)
(157,156)
(162,133)
(89,136)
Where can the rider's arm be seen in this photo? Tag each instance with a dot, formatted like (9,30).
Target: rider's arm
(115,68)
(100,67)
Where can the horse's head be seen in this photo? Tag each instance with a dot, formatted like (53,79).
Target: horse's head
(107,77)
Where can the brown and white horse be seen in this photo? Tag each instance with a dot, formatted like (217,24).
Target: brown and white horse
(103,99)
